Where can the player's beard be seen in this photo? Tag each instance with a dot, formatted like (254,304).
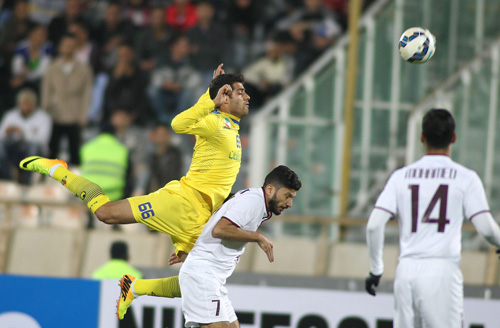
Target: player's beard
(273,205)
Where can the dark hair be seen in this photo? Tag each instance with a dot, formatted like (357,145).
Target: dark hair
(35,27)
(162,124)
(219,81)
(119,250)
(175,38)
(82,24)
(438,128)
(282,176)
(205,2)
(70,35)
(127,44)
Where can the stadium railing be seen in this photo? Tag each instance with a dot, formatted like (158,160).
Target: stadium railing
(304,126)
(45,248)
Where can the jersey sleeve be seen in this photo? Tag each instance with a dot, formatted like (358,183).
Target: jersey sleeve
(245,210)
(475,200)
(194,120)
(387,200)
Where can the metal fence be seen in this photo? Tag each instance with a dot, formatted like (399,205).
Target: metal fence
(304,126)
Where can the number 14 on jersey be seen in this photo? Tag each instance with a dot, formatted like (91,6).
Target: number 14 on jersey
(440,195)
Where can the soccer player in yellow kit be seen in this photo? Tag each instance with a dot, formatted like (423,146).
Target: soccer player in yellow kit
(181,208)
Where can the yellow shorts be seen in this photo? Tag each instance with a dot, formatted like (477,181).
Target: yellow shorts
(177,210)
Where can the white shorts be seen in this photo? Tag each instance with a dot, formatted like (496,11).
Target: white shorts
(204,299)
(428,293)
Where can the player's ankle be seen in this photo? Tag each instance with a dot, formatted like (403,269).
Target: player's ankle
(53,169)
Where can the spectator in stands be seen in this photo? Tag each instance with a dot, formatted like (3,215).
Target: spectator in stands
(66,95)
(152,42)
(31,59)
(42,11)
(174,85)
(59,25)
(15,29)
(6,9)
(110,33)
(165,159)
(118,265)
(95,11)
(135,139)
(24,131)
(208,41)
(181,15)
(138,12)
(242,18)
(266,76)
(86,51)
(313,28)
(105,159)
(341,10)
(127,86)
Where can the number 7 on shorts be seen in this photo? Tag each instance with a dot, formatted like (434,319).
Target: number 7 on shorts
(218,307)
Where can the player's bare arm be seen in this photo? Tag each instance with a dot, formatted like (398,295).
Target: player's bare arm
(225,229)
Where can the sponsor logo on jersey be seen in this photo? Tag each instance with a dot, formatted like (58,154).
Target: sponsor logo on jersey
(235,155)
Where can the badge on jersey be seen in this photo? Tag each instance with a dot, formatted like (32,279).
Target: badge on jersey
(227,123)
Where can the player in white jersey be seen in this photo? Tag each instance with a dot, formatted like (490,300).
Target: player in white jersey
(431,197)
(217,251)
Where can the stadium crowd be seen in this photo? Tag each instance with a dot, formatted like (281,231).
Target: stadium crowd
(70,67)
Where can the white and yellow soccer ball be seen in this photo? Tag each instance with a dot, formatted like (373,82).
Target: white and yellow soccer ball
(417,45)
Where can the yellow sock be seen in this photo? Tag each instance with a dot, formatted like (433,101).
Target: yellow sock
(89,192)
(163,287)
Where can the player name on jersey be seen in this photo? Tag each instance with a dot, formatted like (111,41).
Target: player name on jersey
(431,173)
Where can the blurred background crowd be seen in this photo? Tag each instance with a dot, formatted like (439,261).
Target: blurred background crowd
(82,77)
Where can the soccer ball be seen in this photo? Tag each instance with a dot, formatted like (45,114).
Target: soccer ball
(417,45)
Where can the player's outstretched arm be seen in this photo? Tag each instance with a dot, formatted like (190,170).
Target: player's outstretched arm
(226,229)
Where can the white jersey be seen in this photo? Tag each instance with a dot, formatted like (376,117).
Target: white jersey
(247,210)
(432,196)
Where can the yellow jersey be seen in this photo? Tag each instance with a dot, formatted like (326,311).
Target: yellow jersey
(217,152)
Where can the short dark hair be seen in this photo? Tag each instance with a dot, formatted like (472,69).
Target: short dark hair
(82,24)
(220,80)
(283,176)
(70,35)
(119,250)
(438,128)
(162,124)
